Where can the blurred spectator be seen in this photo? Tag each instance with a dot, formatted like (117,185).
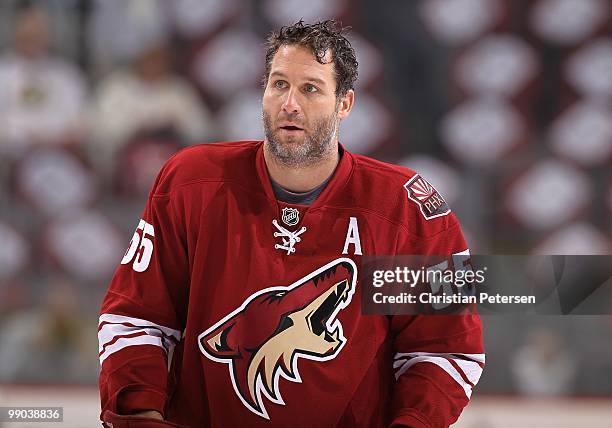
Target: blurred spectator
(482,131)
(568,22)
(118,30)
(14,252)
(498,65)
(194,19)
(589,70)
(42,172)
(542,366)
(583,133)
(280,12)
(357,133)
(577,238)
(63,13)
(459,21)
(15,296)
(41,95)
(567,191)
(83,244)
(49,343)
(240,118)
(140,161)
(229,64)
(145,97)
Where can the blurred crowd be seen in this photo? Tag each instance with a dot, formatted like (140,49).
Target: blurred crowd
(505,105)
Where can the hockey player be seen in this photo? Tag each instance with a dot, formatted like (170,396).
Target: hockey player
(237,303)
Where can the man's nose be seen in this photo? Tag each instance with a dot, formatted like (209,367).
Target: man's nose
(291,105)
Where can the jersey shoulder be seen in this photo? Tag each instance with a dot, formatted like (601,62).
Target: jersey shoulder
(401,195)
(381,170)
(212,162)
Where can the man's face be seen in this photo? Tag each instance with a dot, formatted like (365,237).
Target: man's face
(300,109)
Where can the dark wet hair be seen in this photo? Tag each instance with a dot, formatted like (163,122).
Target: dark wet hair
(319,38)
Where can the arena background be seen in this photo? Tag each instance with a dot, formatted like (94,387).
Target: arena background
(505,105)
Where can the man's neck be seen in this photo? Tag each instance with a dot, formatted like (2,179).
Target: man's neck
(300,179)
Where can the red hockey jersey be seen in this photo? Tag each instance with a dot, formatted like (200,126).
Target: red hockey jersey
(232,309)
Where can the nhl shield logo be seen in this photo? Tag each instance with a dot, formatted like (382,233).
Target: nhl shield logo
(291,216)
(430,202)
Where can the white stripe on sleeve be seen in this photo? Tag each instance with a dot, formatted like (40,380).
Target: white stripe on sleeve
(469,364)
(119,332)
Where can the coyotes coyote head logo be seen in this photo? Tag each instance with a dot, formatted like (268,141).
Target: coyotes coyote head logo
(264,338)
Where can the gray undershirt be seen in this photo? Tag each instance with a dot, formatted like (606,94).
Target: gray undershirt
(305,198)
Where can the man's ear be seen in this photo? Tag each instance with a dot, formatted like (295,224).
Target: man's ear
(346,104)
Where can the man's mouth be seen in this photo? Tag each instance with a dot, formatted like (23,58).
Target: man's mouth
(291,128)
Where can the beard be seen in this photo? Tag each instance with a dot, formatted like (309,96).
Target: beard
(316,145)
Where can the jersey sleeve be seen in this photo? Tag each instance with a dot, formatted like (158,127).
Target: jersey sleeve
(438,359)
(143,312)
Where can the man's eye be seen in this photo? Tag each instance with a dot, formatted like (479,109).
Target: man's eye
(311,88)
(280,84)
